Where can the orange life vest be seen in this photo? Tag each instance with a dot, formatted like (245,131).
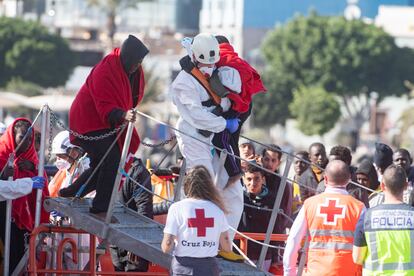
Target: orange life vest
(331,220)
(196,73)
(57,181)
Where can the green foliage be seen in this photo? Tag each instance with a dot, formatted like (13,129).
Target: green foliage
(316,110)
(29,51)
(25,88)
(346,58)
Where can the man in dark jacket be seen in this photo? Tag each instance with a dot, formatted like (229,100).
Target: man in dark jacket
(310,179)
(257,195)
(113,88)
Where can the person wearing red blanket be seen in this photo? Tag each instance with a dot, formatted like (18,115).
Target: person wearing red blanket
(24,165)
(105,101)
(241,102)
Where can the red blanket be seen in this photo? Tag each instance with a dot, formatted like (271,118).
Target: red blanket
(24,208)
(251,82)
(107,87)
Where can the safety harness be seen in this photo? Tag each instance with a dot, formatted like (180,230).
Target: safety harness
(215,95)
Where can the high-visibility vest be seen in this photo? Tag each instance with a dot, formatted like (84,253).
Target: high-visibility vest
(331,220)
(389,232)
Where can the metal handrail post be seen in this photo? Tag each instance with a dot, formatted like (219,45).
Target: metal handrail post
(41,167)
(179,187)
(275,211)
(7,236)
(118,178)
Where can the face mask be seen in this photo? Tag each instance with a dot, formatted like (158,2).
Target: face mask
(62,164)
(207,71)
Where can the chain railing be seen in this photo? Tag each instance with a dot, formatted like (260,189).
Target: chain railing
(160,144)
(54,118)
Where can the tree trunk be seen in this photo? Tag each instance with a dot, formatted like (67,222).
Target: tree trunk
(111,28)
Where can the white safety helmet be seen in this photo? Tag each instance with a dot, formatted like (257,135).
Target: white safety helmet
(205,48)
(61,143)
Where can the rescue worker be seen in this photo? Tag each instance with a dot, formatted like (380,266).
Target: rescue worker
(383,241)
(198,227)
(188,91)
(16,188)
(113,88)
(69,162)
(329,219)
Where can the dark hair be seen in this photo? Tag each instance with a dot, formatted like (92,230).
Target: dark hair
(316,144)
(406,152)
(395,179)
(273,148)
(253,169)
(343,153)
(222,39)
(304,154)
(21,123)
(199,184)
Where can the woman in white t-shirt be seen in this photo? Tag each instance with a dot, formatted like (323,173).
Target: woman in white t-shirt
(198,226)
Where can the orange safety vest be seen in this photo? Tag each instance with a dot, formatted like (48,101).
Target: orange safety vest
(57,182)
(331,220)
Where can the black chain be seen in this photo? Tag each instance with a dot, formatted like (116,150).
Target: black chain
(55,119)
(161,144)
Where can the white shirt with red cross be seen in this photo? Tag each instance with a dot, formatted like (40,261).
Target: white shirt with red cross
(197,226)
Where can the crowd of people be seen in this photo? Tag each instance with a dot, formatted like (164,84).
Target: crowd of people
(327,200)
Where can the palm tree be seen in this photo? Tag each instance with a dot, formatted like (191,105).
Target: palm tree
(111,9)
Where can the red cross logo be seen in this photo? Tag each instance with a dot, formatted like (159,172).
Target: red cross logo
(331,211)
(200,222)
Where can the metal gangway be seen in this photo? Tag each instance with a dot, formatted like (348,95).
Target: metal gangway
(133,232)
(136,233)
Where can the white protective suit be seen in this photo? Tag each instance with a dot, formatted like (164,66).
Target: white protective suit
(12,189)
(187,95)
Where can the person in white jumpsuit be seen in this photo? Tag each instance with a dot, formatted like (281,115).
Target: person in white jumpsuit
(187,95)
(12,189)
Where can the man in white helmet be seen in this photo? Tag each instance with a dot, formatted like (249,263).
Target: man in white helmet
(69,161)
(188,91)
(191,92)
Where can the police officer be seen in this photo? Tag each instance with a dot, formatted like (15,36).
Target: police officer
(330,219)
(384,236)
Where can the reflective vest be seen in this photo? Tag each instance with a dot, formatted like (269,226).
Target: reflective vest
(331,220)
(389,232)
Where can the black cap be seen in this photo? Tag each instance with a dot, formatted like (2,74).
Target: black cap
(133,51)
(382,156)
